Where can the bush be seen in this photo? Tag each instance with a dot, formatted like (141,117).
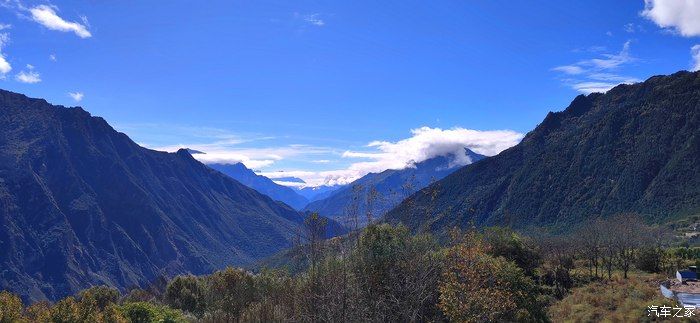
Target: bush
(142,312)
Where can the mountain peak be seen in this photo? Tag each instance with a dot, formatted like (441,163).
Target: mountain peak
(262,184)
(94,208)
(632,149)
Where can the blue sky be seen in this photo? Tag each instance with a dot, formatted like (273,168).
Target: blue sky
(306,86)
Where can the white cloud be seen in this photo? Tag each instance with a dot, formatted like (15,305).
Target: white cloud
(598,74)
(29,76)
(593,87)
(695,53)
(226,151)
(5,26)
(52,57)
(233,157)
(611,60)
(569,69)
(47,16)
(5,66)
(425,143)
(681,16)
(377,156)
(77,96)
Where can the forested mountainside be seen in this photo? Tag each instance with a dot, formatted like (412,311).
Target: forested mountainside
(262,184)
(81,204)
(379,192)
(634,149)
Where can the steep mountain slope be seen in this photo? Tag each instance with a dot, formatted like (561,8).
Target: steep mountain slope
(262,184)
(391,187)
(634,149)
(82,204)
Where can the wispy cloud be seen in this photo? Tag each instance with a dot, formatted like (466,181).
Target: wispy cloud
(598,74)
(29,75)
(632,28)
(569,69)
(220,145)
(47,17)
(228,152)
(314,20)
(425,143)
(77,96)
(679,16)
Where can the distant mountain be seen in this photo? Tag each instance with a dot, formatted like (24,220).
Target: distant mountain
(315,193)
(390,187)
(310,193)
(634,149)
(262,184)
(82,204)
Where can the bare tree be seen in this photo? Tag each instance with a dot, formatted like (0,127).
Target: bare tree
(315,226)
(589,239)
(631,234)
(371,199)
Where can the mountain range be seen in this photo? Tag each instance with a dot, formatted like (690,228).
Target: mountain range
(82,204)
(633,149)
(262,184)
(377,193)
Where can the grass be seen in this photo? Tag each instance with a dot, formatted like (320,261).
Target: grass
(618,300)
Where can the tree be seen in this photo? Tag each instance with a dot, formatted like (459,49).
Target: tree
(66,311)
(652,257)
(559,254)
(143,312)
(608,242)
(39,312)
(101,295)
(315,226)
(138,295)
(589,239)
(504,242)
(630,235)
(230,292)
(186,293)
(352,209)
(10,307)
(371,198)
(649,259)
(476,286)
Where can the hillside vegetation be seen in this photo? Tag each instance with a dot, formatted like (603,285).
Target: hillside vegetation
(634,149)
(387,274)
